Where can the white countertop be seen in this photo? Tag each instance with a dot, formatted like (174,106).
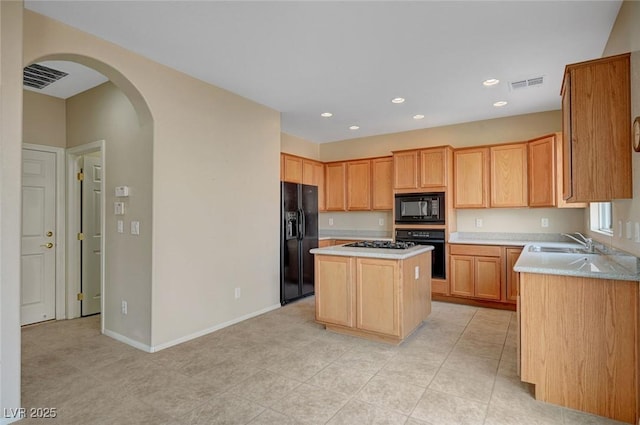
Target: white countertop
(392,254)
(617,265)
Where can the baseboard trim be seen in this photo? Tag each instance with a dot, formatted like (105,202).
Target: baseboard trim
(128,341)
(203,332)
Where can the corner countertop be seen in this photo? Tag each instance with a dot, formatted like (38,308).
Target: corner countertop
(391,254)
(613,264)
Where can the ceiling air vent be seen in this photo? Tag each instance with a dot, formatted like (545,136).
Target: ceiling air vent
(529,82)
(39,77)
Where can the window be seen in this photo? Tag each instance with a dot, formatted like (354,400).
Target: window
(601,217)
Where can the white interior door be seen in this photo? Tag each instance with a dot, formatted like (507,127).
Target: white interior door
(38,285)
(91,228)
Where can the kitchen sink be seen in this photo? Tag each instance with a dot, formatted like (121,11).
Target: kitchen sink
(556,249)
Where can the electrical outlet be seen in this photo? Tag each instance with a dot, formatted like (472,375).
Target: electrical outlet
(544,222)
(120,226)
(135,227)
(237,293)
(417,272)
(478,222)
(124,307)
(381,222)
(637,232)
(330,222)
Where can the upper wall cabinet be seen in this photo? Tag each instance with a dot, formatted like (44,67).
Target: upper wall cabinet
(422,169)
(509,176)
(335,174)
(359,185)
(545,173)
(290,168)
(596,127)
(382,183)
(471,177)
(313,174)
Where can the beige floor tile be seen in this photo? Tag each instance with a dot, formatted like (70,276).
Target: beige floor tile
(309,404)
(574,417)
(444,409)
(365,361)
(359,412)
(391,393)
(297,365)
(341,379)
(415,370)
(269,417)
(463,383)
(478,348)
(225,409)
(472,364)
(226,374)
(265,387)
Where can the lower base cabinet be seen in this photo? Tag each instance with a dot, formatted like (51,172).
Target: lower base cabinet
(579,343)
(375,298)
(476,271)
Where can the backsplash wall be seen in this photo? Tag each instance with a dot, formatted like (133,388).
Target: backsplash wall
(356,221)
(522,220)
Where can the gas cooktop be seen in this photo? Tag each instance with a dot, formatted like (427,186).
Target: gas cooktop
(382,244)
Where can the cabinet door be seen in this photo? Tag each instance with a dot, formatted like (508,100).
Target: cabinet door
(335,289)
(471,168)
(462,275)
(378,295)
(405,170)
(291,169)
(359,185)
(487,277)
(509,176)
(542,172)
(335,182)
(513,277)
(567,170)
(382,183)
(433,168)
(318,172)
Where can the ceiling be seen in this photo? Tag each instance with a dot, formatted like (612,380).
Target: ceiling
(351,58)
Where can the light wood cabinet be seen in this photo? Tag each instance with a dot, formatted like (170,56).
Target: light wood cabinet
(476,271)
(509,175)
(313,174)
(545,166)
(335,184)
(434,164)
(290,168)
(471,177)
(405,170)
(382,183)
(512,277)
(375,298)
(335,290)
(579,343)
(596,126)
(325,243)
(359,185)
(422,168)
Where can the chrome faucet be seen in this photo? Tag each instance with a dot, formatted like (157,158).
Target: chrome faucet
(586,242)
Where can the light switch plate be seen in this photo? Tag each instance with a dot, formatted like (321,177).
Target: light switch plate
(628,230)
(120,226)
(118,208)
(637,232)
(135,227)
(122,191)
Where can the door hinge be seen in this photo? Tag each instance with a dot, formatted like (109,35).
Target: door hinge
(80,296)
(81,236)
(81,176)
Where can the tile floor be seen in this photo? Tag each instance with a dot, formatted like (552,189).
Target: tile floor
(282,368)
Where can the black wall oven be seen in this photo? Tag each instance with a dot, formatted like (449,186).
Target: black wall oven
(427,237)
(419,208)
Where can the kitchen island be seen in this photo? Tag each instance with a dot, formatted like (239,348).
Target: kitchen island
(579,318)
(379,294)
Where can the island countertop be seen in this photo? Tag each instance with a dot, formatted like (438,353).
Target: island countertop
(391,254)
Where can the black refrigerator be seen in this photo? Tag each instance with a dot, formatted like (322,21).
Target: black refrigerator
(298,234)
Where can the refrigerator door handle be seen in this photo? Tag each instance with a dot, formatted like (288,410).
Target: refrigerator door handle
(301,224)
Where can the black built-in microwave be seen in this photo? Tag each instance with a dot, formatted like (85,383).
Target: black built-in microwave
(419,208)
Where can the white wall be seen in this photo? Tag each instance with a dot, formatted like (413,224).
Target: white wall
(215,158)
(625,37)
(521,220)
(10,201)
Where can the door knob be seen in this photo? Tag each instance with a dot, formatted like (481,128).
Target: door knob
(48,245)
(49,233)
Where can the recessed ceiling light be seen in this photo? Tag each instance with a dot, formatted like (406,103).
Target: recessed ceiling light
(326,114)
(418,117)
(397,100)
(490,82)
(354,127)
(500,103)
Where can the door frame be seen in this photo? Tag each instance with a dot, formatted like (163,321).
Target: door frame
(73,221)
(60,304)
